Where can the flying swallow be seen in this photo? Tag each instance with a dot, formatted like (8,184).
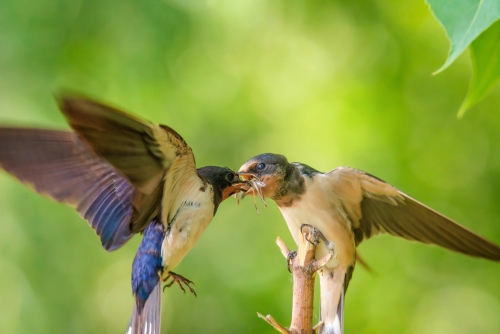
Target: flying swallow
(348,206)
(124,175)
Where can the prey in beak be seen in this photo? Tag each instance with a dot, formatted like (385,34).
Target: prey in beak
(271,170)
(236,185)
(265,175)
(252,186)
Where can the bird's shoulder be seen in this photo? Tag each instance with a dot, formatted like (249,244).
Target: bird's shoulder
(306,170)
(346,182)
(343,178)
(175,139)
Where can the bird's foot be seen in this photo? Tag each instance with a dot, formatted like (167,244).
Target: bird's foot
(289,259)
(180,280)
(314,235)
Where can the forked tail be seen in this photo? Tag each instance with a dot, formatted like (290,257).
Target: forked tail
(332,301)
(147,320)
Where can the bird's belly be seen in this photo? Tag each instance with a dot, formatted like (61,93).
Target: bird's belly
(334,227)
(183,235)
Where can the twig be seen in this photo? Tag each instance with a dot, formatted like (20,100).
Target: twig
(318,264)
(304,268)
(270,320)
(284,249)
(318,326)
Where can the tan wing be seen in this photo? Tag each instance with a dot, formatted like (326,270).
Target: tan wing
(374,206)
(58,164)
(141,150)
(147,154)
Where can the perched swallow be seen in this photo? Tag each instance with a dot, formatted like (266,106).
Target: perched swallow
(348,206)
(124,175)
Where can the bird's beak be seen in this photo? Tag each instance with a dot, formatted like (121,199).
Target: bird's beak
(253,186)
(246,176)
(237,185)
(248,189)
(237,179)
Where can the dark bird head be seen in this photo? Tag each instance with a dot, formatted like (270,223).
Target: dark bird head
(224,181)
(274,171)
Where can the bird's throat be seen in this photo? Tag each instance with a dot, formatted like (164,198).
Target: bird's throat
(290,188)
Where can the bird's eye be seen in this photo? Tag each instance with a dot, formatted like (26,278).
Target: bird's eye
(229,177)
(261,166)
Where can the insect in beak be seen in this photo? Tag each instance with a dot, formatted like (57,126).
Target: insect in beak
(256,186)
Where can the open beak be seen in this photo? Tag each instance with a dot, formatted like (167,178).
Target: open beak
(248,189)
(252,186)
(237,185)
(234,189)
(246,176)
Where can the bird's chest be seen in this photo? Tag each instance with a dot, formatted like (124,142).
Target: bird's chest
(185,228)
(316,210)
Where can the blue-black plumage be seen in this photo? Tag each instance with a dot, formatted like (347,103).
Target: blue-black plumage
(147,265)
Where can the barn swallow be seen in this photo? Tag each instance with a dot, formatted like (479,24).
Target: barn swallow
(347,206)
(124,175)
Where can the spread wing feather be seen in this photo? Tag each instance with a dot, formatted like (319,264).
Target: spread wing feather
(112,169)
(154,158)
(57,163)
(374,207)
(141,150)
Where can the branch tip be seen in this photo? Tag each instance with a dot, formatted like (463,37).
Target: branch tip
(270,320)
(318,326)
(284,249)
(318,264)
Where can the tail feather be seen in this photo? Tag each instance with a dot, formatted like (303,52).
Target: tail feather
(148,320)
(340,311)
(337,325)
(333,286)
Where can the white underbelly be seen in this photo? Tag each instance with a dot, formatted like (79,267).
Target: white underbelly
(333,226)
(184,233)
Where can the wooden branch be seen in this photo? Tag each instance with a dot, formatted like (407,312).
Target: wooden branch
(270,320)
(284,249)
(303,287)
(318,264)
(304,268)
(318,326)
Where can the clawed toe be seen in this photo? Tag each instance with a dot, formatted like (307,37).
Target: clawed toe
(180,280)
(289,259)
(314,235)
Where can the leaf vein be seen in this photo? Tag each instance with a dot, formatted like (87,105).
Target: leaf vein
(476,14)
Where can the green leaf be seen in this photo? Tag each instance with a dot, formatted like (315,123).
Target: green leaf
(463,21)
(485,54)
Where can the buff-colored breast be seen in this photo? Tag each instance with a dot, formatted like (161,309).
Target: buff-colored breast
(317,208)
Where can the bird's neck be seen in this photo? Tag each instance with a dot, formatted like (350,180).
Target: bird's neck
(291,187)
(210,184)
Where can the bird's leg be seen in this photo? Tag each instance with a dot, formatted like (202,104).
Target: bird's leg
(316,235)
(179,279)
(289,258)
(313,233)
(313,237)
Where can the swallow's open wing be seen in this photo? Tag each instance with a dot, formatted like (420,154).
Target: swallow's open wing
(374,206)
(146,153)
(149,320)
(58,164)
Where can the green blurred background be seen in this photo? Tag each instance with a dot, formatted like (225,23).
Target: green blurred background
(327,83)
